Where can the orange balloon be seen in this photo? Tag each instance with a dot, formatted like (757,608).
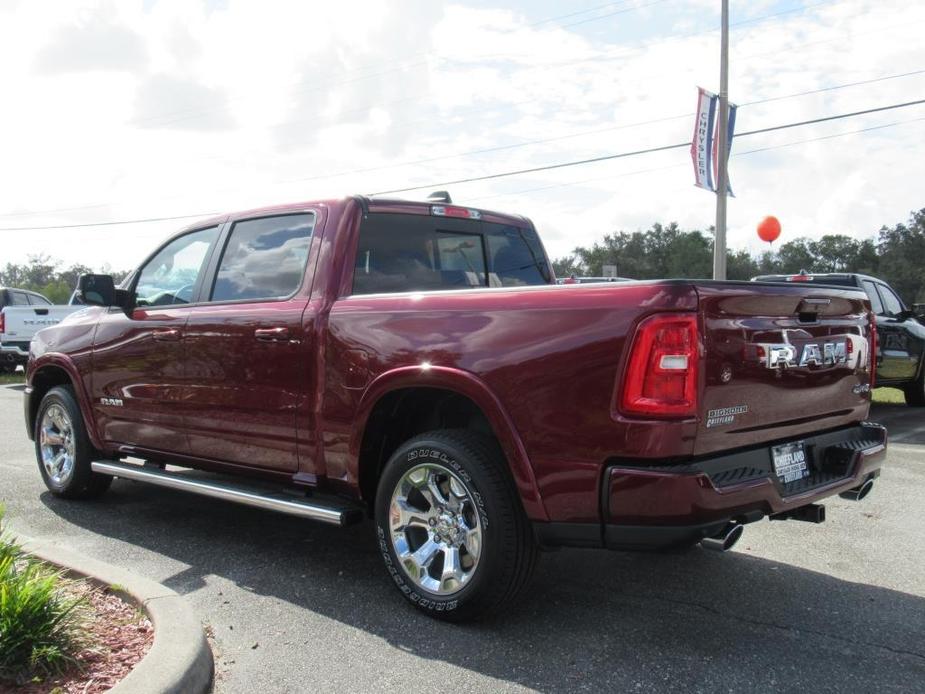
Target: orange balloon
(769,229)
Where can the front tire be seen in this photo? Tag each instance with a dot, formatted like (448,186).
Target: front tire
(451,528)
(63,449)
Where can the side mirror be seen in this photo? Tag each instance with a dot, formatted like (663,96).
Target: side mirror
(97,290)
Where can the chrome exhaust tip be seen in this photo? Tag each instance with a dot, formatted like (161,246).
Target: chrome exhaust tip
(725,539)
(858,493)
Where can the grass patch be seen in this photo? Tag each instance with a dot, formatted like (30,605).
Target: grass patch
(18,377)
(889,396)
(41,629)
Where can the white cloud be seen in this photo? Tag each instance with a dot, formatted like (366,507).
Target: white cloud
(177,108)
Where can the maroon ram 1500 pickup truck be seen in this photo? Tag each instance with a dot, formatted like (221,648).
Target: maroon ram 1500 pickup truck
(417,363)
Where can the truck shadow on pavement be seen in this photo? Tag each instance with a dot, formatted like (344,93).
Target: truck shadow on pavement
(593,620)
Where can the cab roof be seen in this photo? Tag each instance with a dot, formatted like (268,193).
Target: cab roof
(375,205)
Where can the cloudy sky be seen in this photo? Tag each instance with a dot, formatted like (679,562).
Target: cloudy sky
(132,110)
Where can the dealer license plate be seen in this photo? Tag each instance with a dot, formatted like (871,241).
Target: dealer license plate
(790,462)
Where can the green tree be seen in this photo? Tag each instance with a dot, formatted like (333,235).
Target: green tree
(667,251)
(834,253)
(795,256)
(902,252)
(42,274)
(567,266)
(740,265)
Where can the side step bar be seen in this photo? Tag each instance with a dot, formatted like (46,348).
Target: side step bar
(326,513)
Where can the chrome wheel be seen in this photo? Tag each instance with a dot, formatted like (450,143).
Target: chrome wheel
(435,529)
(57,444)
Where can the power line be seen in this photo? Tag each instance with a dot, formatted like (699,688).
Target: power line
(183,115)
(833,88)
(596,131)
(33,213)
(365,73)
(578,12)
(362,73)
(516,145)
(638,152)
(637,172)
(610,14)
(548,167)
(106,224)
(605,55)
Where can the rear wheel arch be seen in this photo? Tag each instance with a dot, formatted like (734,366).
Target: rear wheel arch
(400,406)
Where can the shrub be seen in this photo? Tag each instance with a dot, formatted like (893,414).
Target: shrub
(40,627)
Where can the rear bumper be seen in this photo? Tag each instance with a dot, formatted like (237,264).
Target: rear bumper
(14,353)
(656,507)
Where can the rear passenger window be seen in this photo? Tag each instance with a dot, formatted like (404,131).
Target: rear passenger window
(875,303)
(36,300)
(409,253)
(891,304)
(516,257)
(264,258)
(19,299)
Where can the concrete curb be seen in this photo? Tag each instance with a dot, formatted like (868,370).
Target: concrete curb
(179,661)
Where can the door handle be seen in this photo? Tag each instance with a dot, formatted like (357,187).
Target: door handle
(272,334)
(167,335)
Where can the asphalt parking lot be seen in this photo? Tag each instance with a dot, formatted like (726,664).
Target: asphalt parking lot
(298,606)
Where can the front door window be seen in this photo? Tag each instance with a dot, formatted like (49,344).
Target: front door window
(171,276)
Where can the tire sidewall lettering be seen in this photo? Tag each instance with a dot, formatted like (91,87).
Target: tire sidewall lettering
(422,455)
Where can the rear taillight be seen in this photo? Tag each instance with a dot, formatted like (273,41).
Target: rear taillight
(2,323)
(661,375)
(873,352)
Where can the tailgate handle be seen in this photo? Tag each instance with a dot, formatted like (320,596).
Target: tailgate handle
(809,303)
(809,308)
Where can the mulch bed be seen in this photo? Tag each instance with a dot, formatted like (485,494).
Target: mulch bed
(118,637)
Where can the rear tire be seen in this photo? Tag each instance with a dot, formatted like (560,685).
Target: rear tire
(451,527)
(915,391)
(63,449)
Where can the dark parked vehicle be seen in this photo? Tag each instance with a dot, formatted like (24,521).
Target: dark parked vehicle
(900,332)
(417,363)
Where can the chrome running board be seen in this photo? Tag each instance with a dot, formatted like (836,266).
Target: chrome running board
(337,514)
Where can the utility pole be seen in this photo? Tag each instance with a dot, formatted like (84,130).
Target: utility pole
(722,148)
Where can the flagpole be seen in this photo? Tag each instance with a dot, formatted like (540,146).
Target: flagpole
(722,147)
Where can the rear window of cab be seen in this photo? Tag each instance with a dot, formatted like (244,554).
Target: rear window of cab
(404,253)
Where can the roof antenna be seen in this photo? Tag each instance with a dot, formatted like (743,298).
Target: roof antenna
(440,196)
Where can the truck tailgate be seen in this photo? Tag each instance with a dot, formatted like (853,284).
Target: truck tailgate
(20,323)
(780,361)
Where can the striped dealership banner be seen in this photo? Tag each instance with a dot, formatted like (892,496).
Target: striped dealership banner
(729,133)
(705,141)
(702,142)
